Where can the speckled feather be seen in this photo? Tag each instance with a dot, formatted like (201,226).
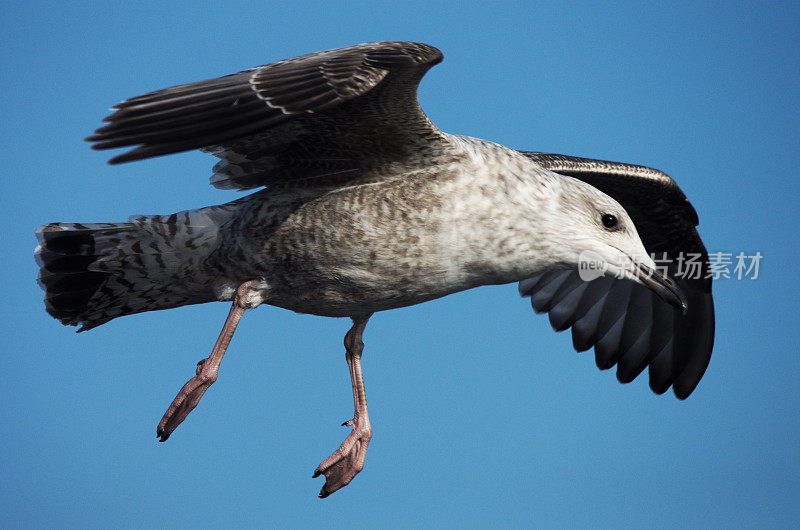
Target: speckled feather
(368,207)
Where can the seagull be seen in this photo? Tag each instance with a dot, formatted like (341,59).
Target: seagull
(363,205)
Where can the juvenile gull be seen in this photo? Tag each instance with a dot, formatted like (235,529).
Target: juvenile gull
(367,206)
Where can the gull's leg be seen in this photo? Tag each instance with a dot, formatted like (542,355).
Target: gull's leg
(247,296)
(345,463)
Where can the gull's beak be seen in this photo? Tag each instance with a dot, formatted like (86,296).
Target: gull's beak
(663,286)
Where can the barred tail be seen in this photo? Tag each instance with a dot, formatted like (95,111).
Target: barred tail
(92,273)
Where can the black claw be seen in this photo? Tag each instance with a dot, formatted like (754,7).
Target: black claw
(161,435)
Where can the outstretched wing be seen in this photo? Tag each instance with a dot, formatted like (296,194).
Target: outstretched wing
(627,324)
(324,118)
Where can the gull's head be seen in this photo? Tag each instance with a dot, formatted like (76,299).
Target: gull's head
(602,239)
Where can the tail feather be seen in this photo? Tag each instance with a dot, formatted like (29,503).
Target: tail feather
(92,273)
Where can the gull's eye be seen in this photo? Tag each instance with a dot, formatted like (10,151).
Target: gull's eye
(609,221)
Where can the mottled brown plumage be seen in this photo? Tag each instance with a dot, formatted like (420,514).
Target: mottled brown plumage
(367,206)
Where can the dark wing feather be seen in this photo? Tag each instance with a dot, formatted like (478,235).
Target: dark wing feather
(327,117)
(627,324)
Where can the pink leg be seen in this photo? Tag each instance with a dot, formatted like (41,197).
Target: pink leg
(207,369)
(345,463)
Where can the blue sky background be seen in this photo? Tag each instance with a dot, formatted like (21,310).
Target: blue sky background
(482,415)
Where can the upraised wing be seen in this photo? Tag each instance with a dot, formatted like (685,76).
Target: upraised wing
(627,324)
(323,118)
